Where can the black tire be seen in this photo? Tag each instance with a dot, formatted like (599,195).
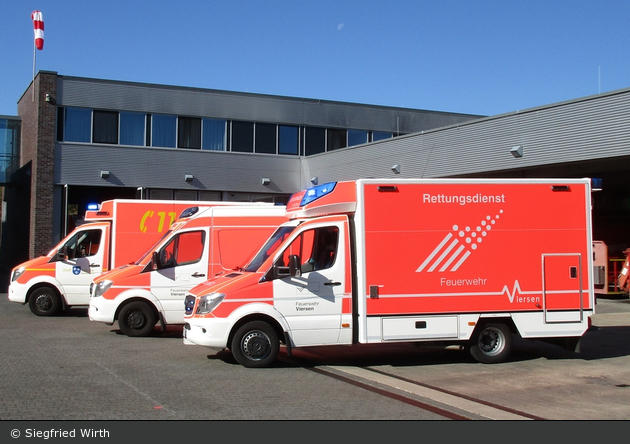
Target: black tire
(255,345)
(137,319)
(491,344)
(44,301)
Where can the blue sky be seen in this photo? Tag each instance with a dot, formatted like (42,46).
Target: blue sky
(468,56)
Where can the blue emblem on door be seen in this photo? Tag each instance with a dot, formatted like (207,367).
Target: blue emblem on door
(76,270)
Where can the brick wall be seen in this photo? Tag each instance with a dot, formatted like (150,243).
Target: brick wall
(38,147)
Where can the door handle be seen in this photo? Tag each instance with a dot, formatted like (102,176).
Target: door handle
(94,265)
(197,275)
(332,284)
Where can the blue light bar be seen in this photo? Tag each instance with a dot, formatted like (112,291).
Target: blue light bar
(93,206)
(596,184)
(189,212)
(317,192)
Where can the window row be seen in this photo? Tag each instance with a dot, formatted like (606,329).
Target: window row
(169,131)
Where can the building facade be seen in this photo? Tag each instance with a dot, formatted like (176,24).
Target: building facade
(88,140)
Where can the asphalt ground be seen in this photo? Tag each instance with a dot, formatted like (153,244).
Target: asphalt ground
(67,368)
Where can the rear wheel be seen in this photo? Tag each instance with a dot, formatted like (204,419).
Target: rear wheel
(255,345)
(137,319)
(491,344)
(44,301)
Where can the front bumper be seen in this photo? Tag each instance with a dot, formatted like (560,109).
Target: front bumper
(17,292)
(207,332)
(102,310)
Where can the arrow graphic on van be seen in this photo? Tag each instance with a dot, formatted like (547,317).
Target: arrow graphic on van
(457,246)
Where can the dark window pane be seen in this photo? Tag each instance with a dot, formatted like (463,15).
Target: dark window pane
(149,132)
(60,121)
(314,140)
(266,138)
(189,132)
(336,139)
(288,140)
(105,127)
(243,137)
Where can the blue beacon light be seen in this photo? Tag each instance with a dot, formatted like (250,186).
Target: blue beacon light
(317,192)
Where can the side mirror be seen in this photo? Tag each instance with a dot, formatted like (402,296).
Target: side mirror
(155,261)
(292,270)
(294,265)
(62,253)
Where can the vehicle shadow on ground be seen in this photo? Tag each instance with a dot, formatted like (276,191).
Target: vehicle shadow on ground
(73,313)
(171,331)
(597,343)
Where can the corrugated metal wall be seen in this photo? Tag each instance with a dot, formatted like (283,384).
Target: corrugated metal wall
(596,127)
(165,168)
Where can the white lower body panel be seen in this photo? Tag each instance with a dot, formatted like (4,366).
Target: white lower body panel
(460,327)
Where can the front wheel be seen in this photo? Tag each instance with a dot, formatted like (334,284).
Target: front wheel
(137,319)
(44,301)
(492,344)
(255,345)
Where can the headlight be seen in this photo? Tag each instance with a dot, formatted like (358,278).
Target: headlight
(101,288)
(189,304)
(17,273)
(209,302)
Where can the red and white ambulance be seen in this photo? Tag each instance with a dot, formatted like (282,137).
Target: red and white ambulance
(200,245)
(116,233)
(466,262)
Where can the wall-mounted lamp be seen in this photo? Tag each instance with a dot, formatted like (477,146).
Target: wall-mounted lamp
(104,174)
(517,151)
(50,99)
(266,181)
(188,177)
(314,180)
(396,168)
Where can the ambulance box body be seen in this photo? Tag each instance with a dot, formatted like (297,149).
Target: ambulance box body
(458,261)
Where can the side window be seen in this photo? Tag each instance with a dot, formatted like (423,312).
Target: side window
(316,248)
(185,248)
(295,248)
(190,248)
(325,248)
(167,254)
(269,248)
(83,244)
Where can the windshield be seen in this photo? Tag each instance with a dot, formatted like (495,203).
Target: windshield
(150,250)
(269,248)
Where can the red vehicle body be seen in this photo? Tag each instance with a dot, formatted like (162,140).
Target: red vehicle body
(201,244)
(117,233)
(410,261)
